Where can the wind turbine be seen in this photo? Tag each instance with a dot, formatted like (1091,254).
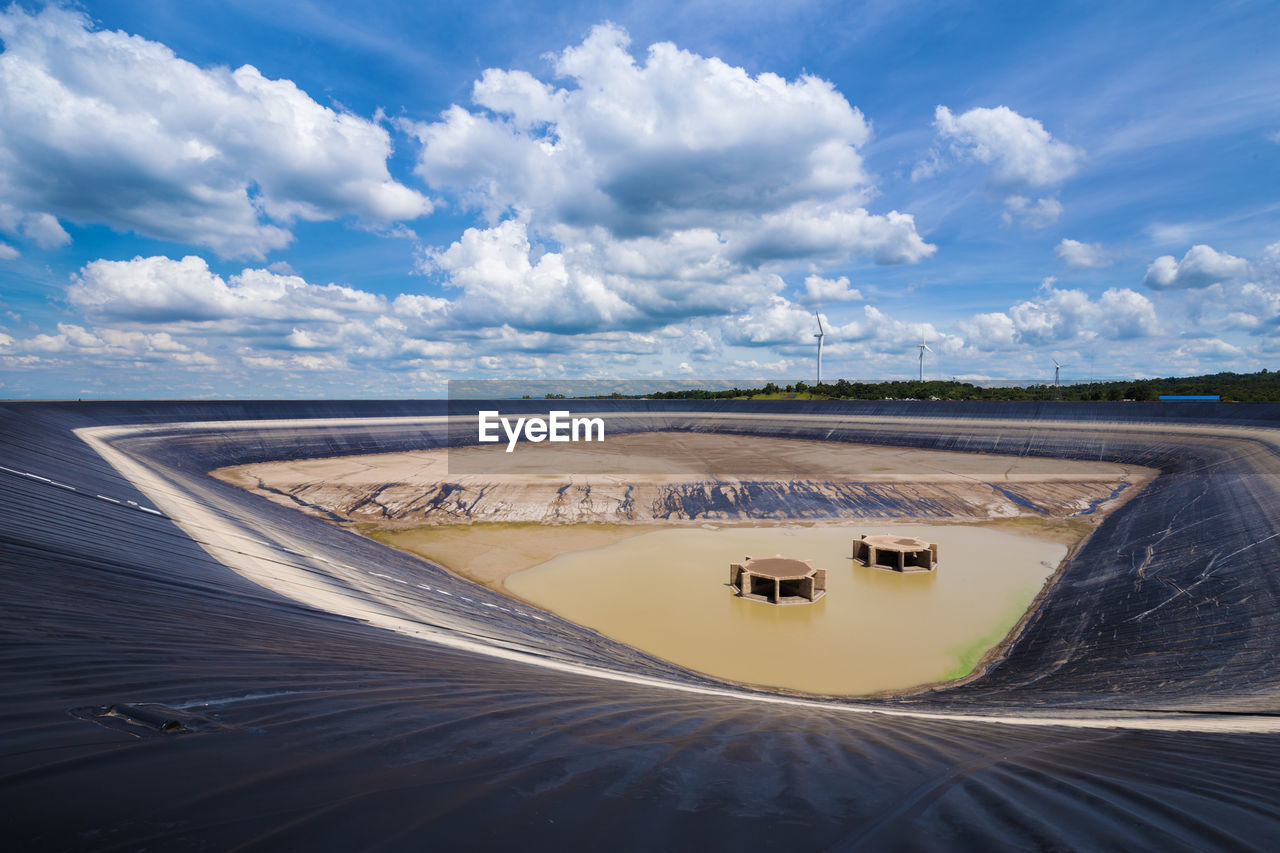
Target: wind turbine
(821,334)
(923,347)
(1057,387)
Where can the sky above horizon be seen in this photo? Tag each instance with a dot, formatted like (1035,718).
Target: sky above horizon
(267,199)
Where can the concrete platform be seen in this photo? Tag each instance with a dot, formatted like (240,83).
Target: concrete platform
(778,580)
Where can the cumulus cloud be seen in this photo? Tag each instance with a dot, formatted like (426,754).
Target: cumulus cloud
(1269,261)
(779,322)
(1251,306)
(159,289)
(106,128)
(183,311)
(8,253)
(502,282)
(646,147)
(1022,155)
(592,283)
(783,324)
(1200,267)
(818,290)
(45,231)
(1040,213)
(39,228)
(990,331)
(830,232)
(1214,349)
(645,191)
(1078,255)
(1058,315)
(110,344)
(269,315)
(1021,152)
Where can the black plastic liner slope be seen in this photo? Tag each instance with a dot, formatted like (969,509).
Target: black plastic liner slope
(337,734)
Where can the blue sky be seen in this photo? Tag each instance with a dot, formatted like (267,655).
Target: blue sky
(304,199)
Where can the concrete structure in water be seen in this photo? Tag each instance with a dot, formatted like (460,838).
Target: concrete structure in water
(778,580)
(900,553)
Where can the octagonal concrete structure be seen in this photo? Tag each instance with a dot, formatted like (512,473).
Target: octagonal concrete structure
(899,553)
(778,580)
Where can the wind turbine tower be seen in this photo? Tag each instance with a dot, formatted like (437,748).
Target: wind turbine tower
(821,334)
(923,348)
(1057,386)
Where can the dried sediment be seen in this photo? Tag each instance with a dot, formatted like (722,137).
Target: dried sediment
(572,503)
(813,481)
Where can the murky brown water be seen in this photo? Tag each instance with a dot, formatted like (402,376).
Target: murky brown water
(666,593)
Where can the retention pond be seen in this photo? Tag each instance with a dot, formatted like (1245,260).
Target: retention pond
(666,592)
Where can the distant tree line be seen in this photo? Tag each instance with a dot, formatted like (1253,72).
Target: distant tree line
(1261,387)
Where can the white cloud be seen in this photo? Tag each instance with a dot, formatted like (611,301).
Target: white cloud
(40,228)
(420,307)
(828,231)
(1173,233)
(1274,136)
(108,344)
(595,282)
(314,363)
(1207,348)
(8,253)
(1023,155)
(592,282)
(1038,214)
(517,305)
(990,331)
(45,231)
(928,167)
(1249,306)
(784,324)
(281,328)
(306,339)
(503,283)
(1269,261)
(818,290)
(104,127)
(1200,267)
(1124,313)
(1059,315)
(159,289)
(644,192)
(497,321)
(779,322)
(643,148)
(1079,255)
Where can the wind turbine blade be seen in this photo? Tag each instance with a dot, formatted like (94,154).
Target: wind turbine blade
(819,317)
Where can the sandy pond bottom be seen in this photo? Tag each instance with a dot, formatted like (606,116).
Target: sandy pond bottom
(667,593)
